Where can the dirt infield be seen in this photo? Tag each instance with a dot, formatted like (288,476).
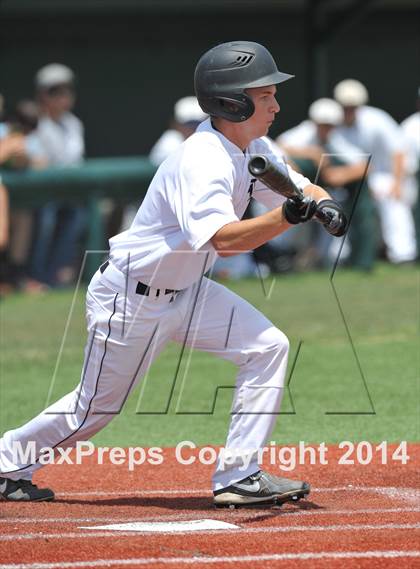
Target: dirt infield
(357,516)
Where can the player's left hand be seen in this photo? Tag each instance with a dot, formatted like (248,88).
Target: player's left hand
(299,211)
(337,219)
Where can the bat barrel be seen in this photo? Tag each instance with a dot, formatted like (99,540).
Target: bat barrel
(258,165)
(272,176)
(279,181)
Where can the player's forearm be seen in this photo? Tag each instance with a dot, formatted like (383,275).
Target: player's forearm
(398,168)
(316,193)
(398,165)
(4,217)
(249,234)
(342,175)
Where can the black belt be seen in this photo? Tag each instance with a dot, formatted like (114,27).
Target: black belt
(141,288)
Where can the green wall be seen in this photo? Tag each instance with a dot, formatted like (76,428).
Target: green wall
(132,65)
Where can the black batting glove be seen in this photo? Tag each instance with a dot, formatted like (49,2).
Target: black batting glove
(335,221)
(299,211)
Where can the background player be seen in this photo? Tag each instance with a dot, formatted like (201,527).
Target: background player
(152,288)
(376,133)
(319,149)
(411,131)
(187,116)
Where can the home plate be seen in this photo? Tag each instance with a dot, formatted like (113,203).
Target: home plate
(168,527)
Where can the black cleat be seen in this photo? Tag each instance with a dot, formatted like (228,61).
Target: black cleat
(262,489)
(23,491)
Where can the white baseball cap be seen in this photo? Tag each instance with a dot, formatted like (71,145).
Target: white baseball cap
(351,93)
(326,111)
(52,75)
(188,110)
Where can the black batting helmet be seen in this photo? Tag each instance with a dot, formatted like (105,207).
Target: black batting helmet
(225,71)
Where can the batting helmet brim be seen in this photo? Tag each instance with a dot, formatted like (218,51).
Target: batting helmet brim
(272,79)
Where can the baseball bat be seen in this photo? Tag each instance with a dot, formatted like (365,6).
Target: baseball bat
(262,168)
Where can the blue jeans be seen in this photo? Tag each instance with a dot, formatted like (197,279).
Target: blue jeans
(58,232)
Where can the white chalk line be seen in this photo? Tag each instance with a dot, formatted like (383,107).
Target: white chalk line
(385,490)
(390,554)
(221,513)
(267,529)
(410,495)
(179,492)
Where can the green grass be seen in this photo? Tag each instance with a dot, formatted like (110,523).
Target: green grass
(329,400)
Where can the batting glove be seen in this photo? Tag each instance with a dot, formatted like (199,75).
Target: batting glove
(337,223)
(299,211)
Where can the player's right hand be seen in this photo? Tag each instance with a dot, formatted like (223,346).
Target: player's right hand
(299,211)
(337,222)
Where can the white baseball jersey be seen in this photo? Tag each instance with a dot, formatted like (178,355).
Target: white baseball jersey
(62,141)
(411,131)
(305,134)
(165,145)
(377,133)
(198,189)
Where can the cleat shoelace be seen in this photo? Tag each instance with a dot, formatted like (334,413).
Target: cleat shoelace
(256,476)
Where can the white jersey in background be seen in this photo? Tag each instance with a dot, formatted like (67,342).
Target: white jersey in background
(167,143)
(197,190)
(375,132)
(411,132)
(378,134)
(62,141)
(305,134)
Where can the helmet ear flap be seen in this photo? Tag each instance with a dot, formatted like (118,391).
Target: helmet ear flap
(236,108)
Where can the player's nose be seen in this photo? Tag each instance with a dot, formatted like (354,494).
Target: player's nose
(276,106)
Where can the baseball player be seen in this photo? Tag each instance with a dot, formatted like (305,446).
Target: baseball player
(61,137)
(152,289)
(411,131)
(375,132)
(316,143)
(186,117)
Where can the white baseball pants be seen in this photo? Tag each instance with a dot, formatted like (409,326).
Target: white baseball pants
(126,333)
(396,217)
